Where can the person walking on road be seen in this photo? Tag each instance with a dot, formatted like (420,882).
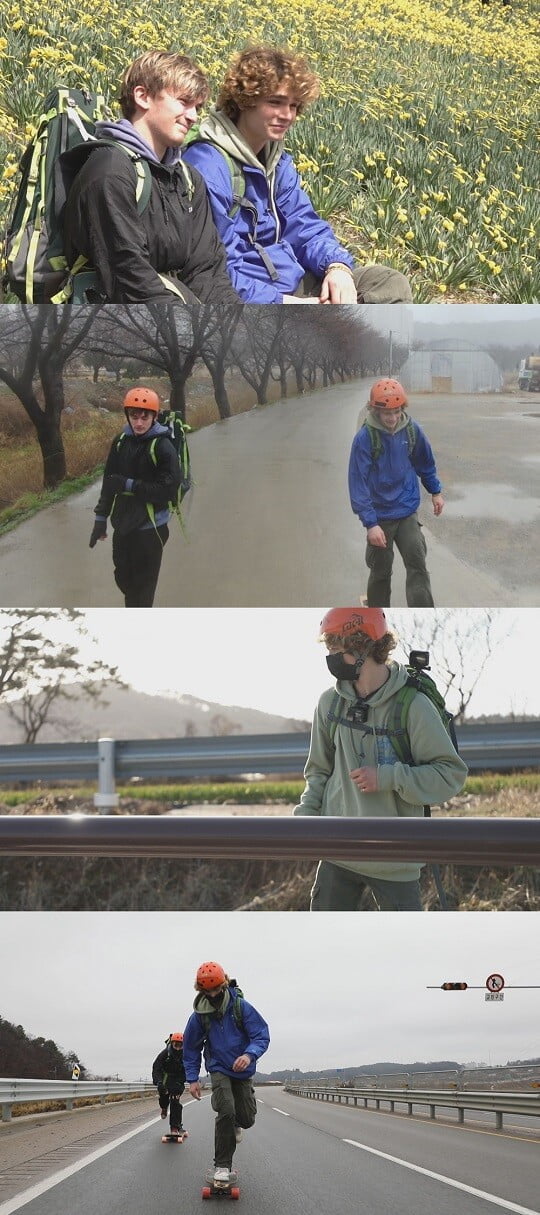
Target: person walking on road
(232,1035)
(390,454)
(139,490)
(168,1074)
(361,727)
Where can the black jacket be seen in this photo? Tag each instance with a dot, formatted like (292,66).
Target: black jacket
(130,456)
(168,1070)
(175,235)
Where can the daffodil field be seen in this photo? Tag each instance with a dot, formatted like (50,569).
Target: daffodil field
(422,150)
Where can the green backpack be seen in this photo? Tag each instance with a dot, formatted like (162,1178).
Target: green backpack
(376,441)
(37,269)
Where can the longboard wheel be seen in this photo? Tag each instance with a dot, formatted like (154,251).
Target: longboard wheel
(206,1191)
(235,1191)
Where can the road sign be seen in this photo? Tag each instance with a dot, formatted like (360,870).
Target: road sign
(494,982)
(494,995)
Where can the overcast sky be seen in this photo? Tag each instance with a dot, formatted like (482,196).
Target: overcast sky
(337,990)
(270,659)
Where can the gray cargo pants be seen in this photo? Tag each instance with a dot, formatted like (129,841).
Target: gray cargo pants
(235,1105)
(374,285)
(408,536)
(339,889)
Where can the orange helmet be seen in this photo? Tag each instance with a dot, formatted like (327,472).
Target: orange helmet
(210,974)
(142,398)
(387,394)
(177,1037)
(345,621)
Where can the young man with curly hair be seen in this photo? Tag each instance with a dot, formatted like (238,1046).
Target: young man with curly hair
(390,457)
(169,248)
(278,249)
(231,1035)
(353,767)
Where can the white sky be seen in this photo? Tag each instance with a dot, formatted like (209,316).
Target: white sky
(337,990)
(270,659)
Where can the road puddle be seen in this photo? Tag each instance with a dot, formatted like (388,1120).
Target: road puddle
(493,502)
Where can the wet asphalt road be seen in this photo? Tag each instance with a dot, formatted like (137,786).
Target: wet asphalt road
(269,521)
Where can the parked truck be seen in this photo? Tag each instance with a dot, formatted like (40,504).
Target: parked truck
(529,373)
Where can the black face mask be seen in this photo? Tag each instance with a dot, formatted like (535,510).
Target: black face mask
(343,670)
(216,1000)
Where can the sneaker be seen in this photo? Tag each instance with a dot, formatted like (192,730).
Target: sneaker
(222,1174)
(164,1113)
(177,1130)
(238,1133)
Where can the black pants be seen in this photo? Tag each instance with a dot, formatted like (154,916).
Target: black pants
(137,562)
(175,1111)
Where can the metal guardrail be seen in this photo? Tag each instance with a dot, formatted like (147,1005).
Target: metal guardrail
(17,1092)
(501,746)
(497,1103)
(460,841)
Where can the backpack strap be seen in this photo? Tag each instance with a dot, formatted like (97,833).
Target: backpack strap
(143,190)
(239,200)
(374,439)
(411,435)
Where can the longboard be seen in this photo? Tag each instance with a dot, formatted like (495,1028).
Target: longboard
(174,1138)
(221,1189)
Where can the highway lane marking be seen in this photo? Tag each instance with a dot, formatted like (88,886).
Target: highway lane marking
(457,1185)
(285,1115)
(35,1191)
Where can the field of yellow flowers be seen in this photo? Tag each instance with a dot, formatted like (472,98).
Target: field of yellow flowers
(422,150)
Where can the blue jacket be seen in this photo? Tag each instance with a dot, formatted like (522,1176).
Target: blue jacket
(225,1040)
(291,232)
(386,486)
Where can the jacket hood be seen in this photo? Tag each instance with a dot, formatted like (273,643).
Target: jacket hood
(373,420)
(216,128)
(126,133)
(157,428)
(397,679)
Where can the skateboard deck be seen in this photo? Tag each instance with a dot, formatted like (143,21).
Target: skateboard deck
(221,1189)
(174,1138)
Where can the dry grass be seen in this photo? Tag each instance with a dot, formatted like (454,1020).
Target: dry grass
(93,415)
(159,885)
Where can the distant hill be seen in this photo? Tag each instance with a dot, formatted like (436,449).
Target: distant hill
(344,1074)
(29,1058)
(131,714)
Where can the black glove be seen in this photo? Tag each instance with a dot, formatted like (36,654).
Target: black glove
(99,531)
(115,483)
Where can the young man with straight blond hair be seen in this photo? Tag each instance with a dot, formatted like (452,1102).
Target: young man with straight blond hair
(169,247)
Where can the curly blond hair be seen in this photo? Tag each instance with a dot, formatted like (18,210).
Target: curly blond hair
(360,645)
(158,71)
(261,71)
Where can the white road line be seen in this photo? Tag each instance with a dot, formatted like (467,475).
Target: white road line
(457,1185)
(274,1107)
(35,1191)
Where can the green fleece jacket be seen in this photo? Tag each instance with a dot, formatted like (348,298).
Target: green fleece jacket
(403,790)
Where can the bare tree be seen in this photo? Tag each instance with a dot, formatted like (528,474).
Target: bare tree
(40,669)
(36,343)
(460,646)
